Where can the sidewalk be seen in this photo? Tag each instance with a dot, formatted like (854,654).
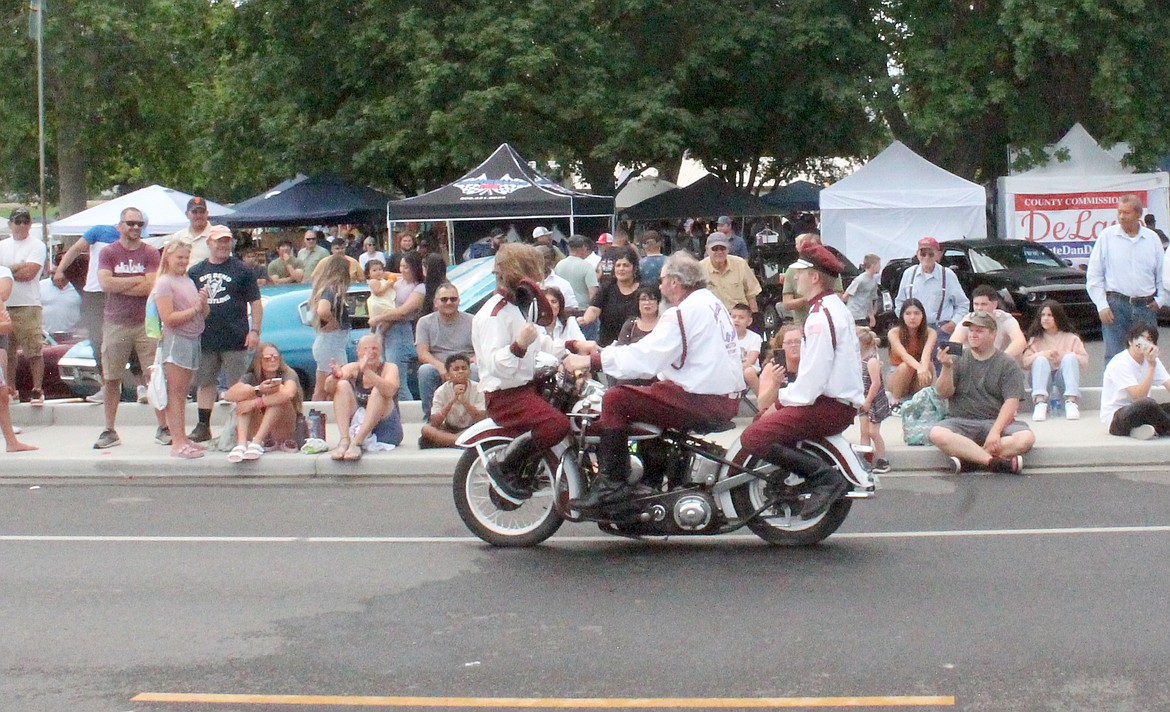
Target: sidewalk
(65,432)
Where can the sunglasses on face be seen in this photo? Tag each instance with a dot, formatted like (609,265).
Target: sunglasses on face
(719,248)
(21,221)
(448,300)
(133,223)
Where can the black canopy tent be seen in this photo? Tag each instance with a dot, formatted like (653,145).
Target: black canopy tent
(707,196)
(320,199)
(799,195)
(502,187)
(278,188)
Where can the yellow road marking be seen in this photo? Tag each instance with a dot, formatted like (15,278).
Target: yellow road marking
(550,702)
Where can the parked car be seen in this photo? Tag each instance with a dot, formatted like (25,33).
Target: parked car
(474,279)
(56,346)
(771,260)
(1024,273)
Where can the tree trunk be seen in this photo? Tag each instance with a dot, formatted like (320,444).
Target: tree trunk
(71,168)
(599,175)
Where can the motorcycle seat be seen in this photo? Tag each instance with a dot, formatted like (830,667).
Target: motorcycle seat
(714,426)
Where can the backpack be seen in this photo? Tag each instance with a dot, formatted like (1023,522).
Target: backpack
(921,413)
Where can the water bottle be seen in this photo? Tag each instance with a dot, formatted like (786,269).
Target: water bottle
(316,424)
(1055,406)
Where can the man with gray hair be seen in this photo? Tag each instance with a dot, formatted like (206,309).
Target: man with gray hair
(694,354)
(1125,272)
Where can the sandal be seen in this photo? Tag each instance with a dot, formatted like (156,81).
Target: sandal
(353,453)
(289,446)
(186,452)
(253,451)
(338,453)
(237,454)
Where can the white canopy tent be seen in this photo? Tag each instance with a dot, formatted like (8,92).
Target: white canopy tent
(1064,204)
(895,200)
(640,189)
(165,210)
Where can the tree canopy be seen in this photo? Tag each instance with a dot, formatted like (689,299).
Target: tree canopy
(227,98)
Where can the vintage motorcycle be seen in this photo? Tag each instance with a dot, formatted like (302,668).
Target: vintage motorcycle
(687,485)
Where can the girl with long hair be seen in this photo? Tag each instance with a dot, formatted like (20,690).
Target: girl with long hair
(331,320)
(268,399)
(563,328)
(1055,355)
(616,300)
(397,325)
(912,342)
(181,310)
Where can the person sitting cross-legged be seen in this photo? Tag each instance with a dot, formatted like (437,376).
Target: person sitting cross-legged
(268,398)
(456,405)
(365,401)
(984,387)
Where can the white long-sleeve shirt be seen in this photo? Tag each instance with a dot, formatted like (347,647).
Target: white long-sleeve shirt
(493,332)
(825,370)
(1128,265)
(710,365)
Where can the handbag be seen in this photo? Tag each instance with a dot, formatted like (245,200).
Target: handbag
(156,389)
(921,413)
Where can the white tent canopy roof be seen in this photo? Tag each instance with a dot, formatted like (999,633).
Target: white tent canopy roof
(165,210)
(1085,157)
(900,178)
(640,189)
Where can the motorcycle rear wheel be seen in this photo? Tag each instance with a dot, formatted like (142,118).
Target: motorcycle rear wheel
(495,520)
(782,525)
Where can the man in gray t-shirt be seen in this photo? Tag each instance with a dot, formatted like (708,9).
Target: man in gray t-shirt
(984,387)
(575,270)
(444,332)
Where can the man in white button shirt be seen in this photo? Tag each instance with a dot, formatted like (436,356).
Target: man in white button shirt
(1125,273)
(824,399)
(694,354)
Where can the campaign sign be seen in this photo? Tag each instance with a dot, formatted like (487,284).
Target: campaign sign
(1066,223)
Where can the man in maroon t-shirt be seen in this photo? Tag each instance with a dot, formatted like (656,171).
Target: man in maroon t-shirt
(126,270)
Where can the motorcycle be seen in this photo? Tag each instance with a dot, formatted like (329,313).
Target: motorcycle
(687,485)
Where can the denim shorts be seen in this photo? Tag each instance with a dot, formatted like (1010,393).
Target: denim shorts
(330,346)
(180,350)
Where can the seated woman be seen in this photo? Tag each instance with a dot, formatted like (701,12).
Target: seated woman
(268,399)
(457,404)
(1054,353)
(638,326)
(365,401)
(911,345)
(563,328)
(774,374)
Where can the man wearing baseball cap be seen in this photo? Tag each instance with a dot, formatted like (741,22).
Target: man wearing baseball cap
(232,324)
(736,244)
(936,287)
(984,387)
(825,399)
(729,277)
(195,234)
(25,256)
(542,236)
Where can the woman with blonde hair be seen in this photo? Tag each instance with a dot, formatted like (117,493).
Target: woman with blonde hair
(331,320)
(181,310)
(268,400)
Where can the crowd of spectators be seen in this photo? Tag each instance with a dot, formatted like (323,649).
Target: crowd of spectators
(209,315)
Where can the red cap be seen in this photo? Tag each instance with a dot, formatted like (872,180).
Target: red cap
(819,257)
(604,238)
(928,242)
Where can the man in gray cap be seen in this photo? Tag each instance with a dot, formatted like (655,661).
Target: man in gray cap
(738,246)
(25,256)
(984,387)
(729,277)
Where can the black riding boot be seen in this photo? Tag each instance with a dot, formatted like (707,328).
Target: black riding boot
(826,482)
(504,469)
(613,461)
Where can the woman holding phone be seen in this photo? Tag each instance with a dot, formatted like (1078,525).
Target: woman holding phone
(268,400)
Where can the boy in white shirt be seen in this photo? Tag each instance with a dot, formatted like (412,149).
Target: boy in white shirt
(457,405)
(1126,405)
(749,345)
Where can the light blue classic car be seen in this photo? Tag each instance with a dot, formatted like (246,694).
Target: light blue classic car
(283,326)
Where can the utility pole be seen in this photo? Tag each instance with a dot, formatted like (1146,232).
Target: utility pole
(36,29)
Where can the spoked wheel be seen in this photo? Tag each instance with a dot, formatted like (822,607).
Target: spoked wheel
(781,523)
(496,520)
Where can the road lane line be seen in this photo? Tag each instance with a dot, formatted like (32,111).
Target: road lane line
(552,702)
(939,533)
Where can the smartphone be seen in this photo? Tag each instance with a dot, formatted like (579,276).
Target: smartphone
(1142,342)
(778,358)
(954,348)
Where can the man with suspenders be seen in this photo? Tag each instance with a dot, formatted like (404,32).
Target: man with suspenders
(937,288)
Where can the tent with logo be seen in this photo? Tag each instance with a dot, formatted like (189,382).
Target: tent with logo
(707,197)
(895,200)
(1064,202)
(165,210)
(320,200)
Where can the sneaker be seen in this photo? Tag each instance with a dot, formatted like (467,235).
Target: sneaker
(108,438)
(98,397)
(38,397)
(896,410)
(162,436)
(1007,466)
(142,394)
(1040,412)
(880,466)
(1071,411)
(956,465)
(201,433)
(16,430)
(1143,432)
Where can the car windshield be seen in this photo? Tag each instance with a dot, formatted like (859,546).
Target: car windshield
(1013,253)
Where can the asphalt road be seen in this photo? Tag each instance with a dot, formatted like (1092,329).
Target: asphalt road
(972,593)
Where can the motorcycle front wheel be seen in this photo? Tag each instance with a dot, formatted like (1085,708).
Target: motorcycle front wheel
(496,520)
(781,523)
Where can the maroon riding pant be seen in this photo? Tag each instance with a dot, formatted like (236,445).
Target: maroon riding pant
(521,409)
(664,404)
(790,424)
